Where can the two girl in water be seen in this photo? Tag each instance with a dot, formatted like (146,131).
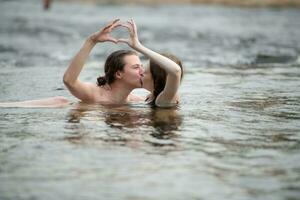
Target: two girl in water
(123,73)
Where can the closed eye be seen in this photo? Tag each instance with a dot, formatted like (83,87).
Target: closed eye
(137,66)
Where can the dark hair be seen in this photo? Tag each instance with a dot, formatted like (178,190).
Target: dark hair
(113,63)
(159,75)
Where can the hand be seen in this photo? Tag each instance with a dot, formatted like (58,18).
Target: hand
(133,41)
(103,35)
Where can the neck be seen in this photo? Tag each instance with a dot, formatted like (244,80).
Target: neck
(149,88)
(119,92)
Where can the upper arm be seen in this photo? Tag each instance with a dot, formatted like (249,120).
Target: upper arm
(168,96)
(82,90)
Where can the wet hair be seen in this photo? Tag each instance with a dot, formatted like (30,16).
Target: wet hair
(114,62)
(159,75)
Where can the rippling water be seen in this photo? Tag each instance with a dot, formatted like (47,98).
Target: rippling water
(234,136)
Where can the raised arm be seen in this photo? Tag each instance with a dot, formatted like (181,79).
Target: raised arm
(83,90)
(172,69)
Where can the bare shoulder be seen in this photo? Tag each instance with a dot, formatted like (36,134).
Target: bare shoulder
(93,85)
(98,93)
(95,88)
(135,98)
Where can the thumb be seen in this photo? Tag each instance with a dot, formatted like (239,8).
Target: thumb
(122,40)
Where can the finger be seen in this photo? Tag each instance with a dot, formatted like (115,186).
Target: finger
(116,20)
(126,26)
(115,26)
(111,39)
(134,25)
(111,28)
(111,23)
(129,22)
(116,23)
(131,25)
(133,22)
(106,27)
(123,40)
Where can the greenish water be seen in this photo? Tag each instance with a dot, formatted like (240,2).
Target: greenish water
(235,134)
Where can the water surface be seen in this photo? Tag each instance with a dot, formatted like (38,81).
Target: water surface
(234,136)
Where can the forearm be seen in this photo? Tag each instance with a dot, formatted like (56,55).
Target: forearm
(76,65)
(165,63)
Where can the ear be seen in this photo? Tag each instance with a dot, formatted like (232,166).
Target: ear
(119,75)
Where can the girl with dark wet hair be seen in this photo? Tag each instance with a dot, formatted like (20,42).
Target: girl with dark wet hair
(163,75)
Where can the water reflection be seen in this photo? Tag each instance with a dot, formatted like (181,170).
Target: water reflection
(124,124)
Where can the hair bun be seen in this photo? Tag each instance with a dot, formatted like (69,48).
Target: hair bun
(101,80)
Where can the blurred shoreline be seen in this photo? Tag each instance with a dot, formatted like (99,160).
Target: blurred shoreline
(246,3)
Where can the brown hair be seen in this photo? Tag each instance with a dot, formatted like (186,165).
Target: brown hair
(113,63)
(159,75)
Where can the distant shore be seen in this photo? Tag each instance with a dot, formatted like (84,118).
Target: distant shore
(246,3)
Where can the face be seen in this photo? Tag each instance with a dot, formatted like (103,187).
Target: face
(133,71)
(147,79)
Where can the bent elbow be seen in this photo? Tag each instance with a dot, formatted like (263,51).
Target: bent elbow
(176,72)
(67,81)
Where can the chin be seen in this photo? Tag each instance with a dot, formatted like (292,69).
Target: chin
(146,88)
